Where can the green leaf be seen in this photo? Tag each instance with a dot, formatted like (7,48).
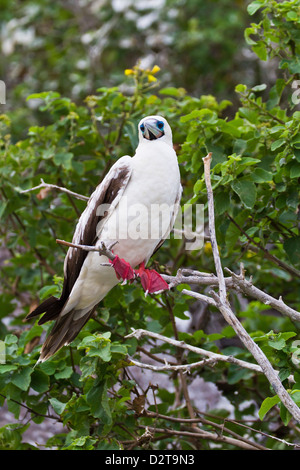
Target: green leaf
(57,405)
(293,65)
(254,6)
(10,339)
(248,32)
(277,144)
(240,88)
(22,377)
(297,154)
(97,398)
(259,175)
(3,205)
(266,405)
(232,236)
(198,114)
(261,87)
(64,374)
(103,352)
(295,170)
(48,367)
(285,415)
(118,348)
(261,50)
(43,95)
(278,343)
(172,91)
(39,381)
(47,291)
(222,203)
(64,159)
(275,93)
(246,190)
(7,368)
(292,248)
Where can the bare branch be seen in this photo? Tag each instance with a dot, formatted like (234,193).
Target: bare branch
(248,288)
(201,434)
(212,230)
(102,249)
(183,367)
(202,352)
(198,296)
(219,427)
(236,281)
(225,309)
(54,186)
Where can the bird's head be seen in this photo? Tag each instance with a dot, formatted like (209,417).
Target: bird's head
(153,128)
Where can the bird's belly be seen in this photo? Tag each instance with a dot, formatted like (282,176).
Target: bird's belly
(138,224)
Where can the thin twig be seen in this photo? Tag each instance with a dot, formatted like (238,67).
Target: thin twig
(235,281)
(204,421)
(201,434)
(203,352)
(212,230)
(178,367)
(102,249)
(54,186)
(248,288)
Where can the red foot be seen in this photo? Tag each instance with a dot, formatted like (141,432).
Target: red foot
(123,269)
(150,279)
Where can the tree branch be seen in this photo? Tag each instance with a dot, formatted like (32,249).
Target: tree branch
(215,299)
(236,282)
(139,333)
(54,186)
(179,367)
(212,230)
(102,249)
(201,434)
(225,309)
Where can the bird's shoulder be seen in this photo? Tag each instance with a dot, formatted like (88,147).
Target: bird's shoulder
(100,205)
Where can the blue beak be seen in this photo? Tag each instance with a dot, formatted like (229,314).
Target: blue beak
(152,131)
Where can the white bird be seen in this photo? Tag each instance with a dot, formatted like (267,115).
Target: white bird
(148,180)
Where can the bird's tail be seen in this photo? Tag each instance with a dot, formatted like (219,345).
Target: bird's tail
(66,327)
(51,307)
(64,331)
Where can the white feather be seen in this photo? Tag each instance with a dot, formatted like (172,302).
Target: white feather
(154,179)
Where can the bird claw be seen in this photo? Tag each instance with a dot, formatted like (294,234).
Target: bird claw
(151,280)
(123,269)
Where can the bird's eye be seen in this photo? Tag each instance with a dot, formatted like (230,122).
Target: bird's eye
(142,127)
(160,125)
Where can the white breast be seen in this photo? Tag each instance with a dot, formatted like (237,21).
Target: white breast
(143,214)
(155,180)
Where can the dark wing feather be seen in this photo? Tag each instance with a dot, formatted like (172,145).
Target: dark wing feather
(110,189)
(108,192)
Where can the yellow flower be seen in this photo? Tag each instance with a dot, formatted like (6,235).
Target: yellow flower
(129,72)
(155,69)
(207,248)
(151,78)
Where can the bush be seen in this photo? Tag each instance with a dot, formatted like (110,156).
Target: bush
(90,387)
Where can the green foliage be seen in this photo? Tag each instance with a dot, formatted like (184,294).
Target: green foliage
(90,387)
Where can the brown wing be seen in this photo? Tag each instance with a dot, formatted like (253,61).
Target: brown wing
(109,193)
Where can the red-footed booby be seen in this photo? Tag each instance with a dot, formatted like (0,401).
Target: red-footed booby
(148,180)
